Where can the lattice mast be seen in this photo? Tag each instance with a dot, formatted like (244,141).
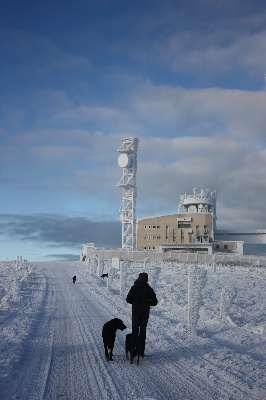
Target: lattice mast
(128,161)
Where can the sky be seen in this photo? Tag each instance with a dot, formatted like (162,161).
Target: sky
(185,77)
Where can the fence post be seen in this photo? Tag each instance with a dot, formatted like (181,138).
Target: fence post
(214,267)
(196,282)
(145,264)
(111,273)
(123,277)
(100,268)
(227,296)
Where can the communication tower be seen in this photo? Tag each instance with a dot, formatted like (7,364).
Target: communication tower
(128,161)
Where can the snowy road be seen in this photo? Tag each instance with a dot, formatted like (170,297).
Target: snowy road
(62,357)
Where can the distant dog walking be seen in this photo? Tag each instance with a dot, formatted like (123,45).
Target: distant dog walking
(74,279)
(104,276)
(109,333)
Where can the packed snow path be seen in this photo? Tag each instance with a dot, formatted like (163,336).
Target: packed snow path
(62,356)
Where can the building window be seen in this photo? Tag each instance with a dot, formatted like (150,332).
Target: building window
(225,247)
(182,236)
(182,225)
(217,247)
(174,235)
(190,237)
(167,233)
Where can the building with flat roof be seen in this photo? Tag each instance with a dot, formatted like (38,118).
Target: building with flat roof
(191,229)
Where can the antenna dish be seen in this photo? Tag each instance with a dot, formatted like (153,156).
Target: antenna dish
(124,160)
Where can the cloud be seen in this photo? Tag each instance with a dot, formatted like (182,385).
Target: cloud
(211,138)
(169,167)
(59,230)
(217,54)
(173,111)
(193,40)
(33,50)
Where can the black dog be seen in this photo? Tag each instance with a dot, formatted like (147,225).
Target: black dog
(108,334)
(104,276)
(74,279)
(132,347)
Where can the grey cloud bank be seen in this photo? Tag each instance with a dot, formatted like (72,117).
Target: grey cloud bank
(53,231)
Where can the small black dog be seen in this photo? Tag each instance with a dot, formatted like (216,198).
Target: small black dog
(132,347)
(74,279)
(104,276)
(109,333)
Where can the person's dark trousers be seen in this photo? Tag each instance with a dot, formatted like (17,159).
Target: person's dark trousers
(139,325)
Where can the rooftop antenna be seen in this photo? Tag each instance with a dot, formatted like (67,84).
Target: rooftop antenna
(128,161)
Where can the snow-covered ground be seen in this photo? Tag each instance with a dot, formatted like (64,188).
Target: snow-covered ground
(206,338)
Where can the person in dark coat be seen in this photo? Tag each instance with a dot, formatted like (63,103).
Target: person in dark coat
(141,296)
(74,279)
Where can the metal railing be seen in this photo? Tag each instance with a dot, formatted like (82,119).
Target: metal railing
(104,254)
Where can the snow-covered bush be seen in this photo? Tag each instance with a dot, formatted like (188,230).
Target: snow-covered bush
(15,277)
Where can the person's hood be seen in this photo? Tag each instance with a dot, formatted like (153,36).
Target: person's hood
(143,278)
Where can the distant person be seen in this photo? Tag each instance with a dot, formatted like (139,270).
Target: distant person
(141,296)
(74,279)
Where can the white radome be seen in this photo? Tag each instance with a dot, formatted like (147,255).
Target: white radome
(124,160)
